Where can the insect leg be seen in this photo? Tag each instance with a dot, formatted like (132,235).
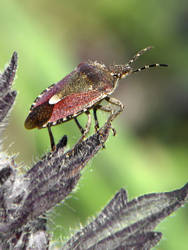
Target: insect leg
(109,109)
(79,126)
(114,112)
(95,117)
(88,125)
(52,142)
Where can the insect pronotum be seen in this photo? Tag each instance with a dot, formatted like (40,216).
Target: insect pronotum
(79,92)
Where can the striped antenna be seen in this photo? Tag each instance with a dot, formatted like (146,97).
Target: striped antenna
(122,71)
(150,66)
(138,54)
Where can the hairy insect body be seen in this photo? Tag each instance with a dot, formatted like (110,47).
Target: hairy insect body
(81,90)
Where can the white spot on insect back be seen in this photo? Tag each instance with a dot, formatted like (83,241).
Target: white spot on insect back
(54,99)
(45,125)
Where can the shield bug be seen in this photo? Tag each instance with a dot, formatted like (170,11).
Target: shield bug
(79,92)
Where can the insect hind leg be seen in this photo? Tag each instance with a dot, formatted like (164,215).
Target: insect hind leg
(52,142)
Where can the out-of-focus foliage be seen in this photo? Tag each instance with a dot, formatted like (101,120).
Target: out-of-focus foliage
(149,153)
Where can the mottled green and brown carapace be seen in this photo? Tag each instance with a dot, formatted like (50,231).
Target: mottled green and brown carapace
(79,92)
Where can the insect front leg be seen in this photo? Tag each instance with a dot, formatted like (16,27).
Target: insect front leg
(114,113)
(52,142)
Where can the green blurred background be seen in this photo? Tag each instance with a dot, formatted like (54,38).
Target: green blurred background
(149,153)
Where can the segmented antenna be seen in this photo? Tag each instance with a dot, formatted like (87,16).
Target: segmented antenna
(138,54)
(141,52)
(122,71)
(150,66)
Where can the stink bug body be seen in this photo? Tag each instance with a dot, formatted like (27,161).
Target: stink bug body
(79,92)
